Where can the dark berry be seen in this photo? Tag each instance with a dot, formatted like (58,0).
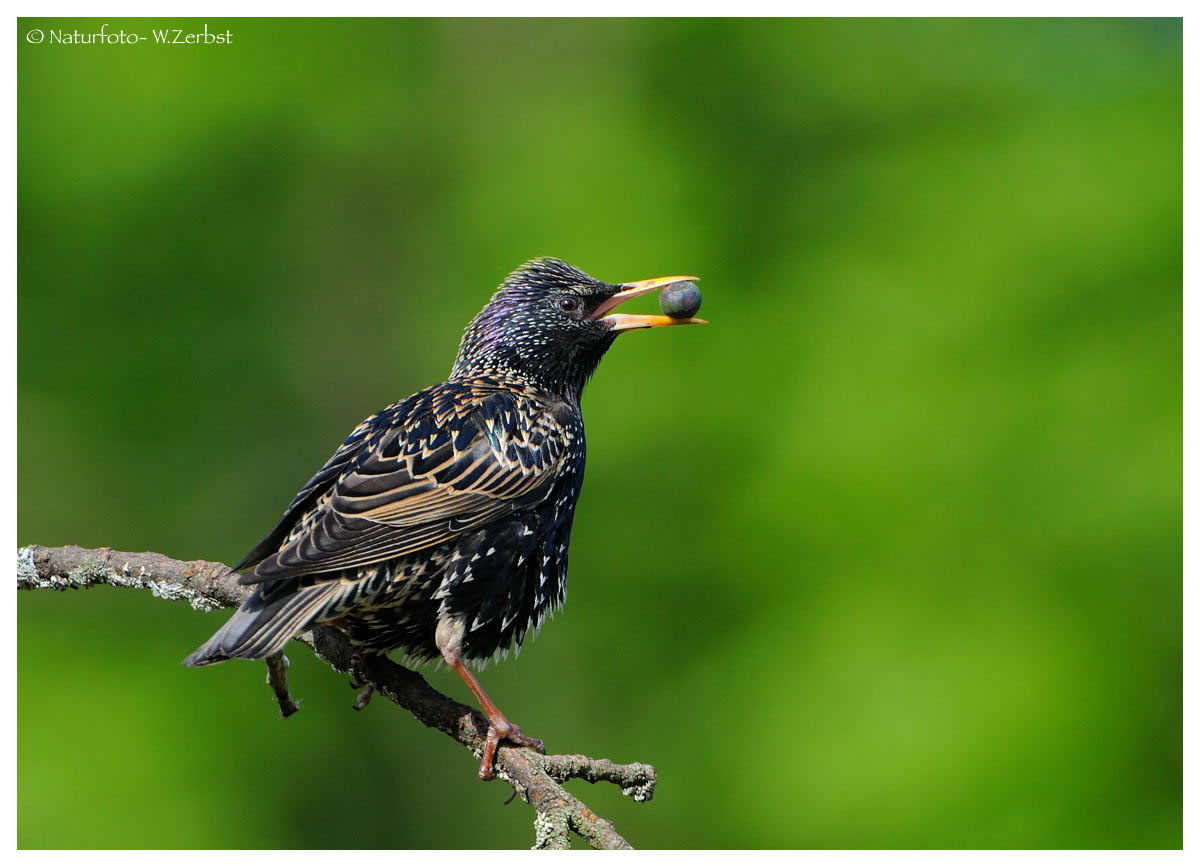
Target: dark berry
(680,300)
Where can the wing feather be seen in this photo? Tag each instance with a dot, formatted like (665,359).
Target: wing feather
(308,495)
(434,466)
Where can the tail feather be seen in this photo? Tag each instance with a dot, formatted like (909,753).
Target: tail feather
(267,621)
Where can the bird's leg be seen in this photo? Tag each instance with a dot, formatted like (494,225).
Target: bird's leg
(449,641)
(499,727)
(358,680)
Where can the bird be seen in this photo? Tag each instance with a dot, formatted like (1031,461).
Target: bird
(441,525)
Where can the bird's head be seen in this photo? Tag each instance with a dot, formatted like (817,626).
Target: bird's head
(552,323)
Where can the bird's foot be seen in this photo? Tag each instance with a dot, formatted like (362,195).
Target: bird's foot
(358,680)
(358,661)
(500,729)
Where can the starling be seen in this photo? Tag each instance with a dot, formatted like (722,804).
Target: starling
(441,524)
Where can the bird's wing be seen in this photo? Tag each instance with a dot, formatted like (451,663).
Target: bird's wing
(311,492)
(432,470)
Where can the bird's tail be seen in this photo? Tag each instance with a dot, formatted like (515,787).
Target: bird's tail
(267,621)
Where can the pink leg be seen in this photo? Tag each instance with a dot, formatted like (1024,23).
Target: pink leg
(499,728)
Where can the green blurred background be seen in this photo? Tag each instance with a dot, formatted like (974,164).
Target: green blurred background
(889,555)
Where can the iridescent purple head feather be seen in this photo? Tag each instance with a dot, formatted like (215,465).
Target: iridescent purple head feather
(550,323)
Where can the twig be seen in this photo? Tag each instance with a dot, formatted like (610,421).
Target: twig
(635,779)
(277,667)
(208,586)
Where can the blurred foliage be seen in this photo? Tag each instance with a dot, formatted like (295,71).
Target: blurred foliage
(889,555)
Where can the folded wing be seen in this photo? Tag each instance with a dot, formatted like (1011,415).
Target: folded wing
(422,472)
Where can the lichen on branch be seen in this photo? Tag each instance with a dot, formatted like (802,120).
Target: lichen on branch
(537,779)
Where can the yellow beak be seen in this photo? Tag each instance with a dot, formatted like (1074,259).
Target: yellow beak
(630,321)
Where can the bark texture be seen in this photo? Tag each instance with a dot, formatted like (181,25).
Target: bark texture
(207,586)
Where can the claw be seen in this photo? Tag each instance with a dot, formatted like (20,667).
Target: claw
(357,662)
(500,729)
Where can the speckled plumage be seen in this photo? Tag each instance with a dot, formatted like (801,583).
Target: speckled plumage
(441,525)
(457,500)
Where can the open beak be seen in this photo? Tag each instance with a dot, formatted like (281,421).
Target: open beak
(629,321)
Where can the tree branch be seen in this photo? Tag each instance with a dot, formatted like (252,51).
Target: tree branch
(207,586)
(277,666)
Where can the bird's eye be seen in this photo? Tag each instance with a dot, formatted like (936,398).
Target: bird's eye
(568,305)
